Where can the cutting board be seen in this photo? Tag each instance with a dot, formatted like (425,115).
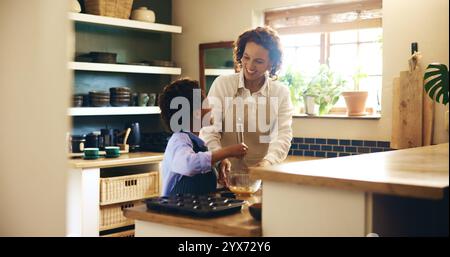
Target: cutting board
(407,110)
(428,119)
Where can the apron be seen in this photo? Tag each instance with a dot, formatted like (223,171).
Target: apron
(257,148)
(199,184)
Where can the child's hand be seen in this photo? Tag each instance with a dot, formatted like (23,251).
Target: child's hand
(224,169)
(238,150)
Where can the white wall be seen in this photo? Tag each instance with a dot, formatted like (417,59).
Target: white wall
(35,89)
(404,21)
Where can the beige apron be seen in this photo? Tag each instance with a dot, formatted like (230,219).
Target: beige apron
(257,150)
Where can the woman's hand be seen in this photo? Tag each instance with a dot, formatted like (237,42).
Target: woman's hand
(224,168)
(263,163)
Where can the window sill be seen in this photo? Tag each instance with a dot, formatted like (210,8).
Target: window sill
(338,116)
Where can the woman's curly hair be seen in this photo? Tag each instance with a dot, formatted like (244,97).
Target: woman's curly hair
(181,87)
(265,37)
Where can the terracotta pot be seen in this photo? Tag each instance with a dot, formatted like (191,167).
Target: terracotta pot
(356,102)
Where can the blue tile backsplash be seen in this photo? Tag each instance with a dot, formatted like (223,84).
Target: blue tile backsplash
(329,148)
(315,147)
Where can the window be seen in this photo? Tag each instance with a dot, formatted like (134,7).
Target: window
(346,37)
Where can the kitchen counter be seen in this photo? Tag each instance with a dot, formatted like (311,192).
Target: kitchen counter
(123,160)
(154,223)
(396,193)
(83,196)
(419,172)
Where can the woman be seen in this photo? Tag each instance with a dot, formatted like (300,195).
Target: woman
(266,118)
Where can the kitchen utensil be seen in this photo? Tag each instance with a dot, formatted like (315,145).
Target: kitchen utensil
(255,210)
(91,153)
(103,57)
(143,99)
(113,90)
(77,143)
(152,99)
(240,183)
(108,137)
(75,6)
(407,107)
(112,151)
(125,146)
(195,205)
(92,140)
(143,14)
(135,137)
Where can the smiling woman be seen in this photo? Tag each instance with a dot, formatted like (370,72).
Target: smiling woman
(257,55)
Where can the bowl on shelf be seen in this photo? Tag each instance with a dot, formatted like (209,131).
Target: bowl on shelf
(240,183)
(143,14)
(255,210)
(103,57)
(119,90)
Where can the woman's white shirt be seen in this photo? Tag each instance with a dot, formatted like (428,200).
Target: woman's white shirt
(228,87)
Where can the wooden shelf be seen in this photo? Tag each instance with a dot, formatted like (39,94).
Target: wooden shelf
(123,23)
(218,72)
(105,67)
(98,111)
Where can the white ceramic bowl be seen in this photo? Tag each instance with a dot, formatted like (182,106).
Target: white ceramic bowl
(143,14)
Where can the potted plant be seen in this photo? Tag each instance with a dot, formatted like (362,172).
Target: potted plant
(296,84)
(355,100)
(325,87)
(437,85)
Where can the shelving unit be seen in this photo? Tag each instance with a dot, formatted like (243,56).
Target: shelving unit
(130,24)
(105,67)
(218,72)
(91,207)
(98,111)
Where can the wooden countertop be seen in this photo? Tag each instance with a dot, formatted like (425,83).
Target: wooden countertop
(239,224)
(123,160)
(418,172)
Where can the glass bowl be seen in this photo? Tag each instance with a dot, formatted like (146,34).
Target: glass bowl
(240,183)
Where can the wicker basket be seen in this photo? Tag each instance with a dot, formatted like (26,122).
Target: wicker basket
(112,8)
(111,216)
(129,188)
(128,233)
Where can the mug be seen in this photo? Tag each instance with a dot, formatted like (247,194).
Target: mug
(152,99)
(77,143)
(143,99)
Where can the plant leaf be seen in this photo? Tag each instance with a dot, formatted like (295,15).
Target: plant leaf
(436,79)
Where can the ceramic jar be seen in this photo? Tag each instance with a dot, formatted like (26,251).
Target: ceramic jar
(143,14)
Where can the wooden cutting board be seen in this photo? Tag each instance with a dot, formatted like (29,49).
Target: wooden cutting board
(407,110)
(428,119)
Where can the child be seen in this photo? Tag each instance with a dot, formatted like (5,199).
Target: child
(187,165)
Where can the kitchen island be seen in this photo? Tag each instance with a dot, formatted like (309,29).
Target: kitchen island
(153,223)
(83,196)
(396,193)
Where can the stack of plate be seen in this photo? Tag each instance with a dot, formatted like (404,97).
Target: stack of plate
(77,101)
(99,98)
(120,96)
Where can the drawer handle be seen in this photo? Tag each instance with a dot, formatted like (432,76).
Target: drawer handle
(131,182)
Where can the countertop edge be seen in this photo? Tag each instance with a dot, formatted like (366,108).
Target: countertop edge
(354,185)
(108,163)
(433,189)
(187,222)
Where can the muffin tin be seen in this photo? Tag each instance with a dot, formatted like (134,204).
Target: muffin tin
(196,205)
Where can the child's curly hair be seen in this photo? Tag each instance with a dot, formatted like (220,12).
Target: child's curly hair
(181,87)
(265,37)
